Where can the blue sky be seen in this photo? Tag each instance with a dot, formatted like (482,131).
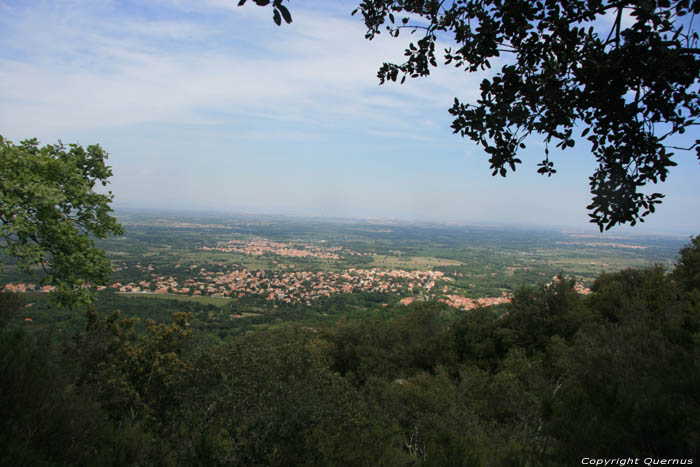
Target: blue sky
(203,105)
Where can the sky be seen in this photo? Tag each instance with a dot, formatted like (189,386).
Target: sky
(203,105)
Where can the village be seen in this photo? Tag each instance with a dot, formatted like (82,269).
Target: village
(287,285)
(260,246)
(297,287)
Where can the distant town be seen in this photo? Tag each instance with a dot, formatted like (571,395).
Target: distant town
(290,286)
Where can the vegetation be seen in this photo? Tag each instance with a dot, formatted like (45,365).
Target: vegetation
(546,380)
(257,379)
(482,261)
(50,214)
(356,378)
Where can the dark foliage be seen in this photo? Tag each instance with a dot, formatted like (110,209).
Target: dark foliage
(553,378)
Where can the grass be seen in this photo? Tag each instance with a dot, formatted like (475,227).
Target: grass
(217,301)
(247,314)
(249,262)
(412,262)
(266,262)
(594,265)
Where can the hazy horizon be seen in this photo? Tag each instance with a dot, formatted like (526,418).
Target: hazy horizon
(206,106)
(382,221)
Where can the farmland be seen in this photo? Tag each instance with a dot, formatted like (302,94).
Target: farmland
(214,259)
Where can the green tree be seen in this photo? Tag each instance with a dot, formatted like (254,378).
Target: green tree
(44,420)
(50,214)
(687,271)
(535,316)
(136,378)
(633,88)
(270,399)
(627,380)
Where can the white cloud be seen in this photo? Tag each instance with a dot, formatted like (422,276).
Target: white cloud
(84,71)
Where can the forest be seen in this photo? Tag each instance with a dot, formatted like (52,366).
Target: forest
(552,378)
(200,340)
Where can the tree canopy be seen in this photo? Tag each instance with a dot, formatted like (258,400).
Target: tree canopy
(623,74)
(549,379)
(50,214)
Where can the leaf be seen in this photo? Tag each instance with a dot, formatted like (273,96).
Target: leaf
(277,18)
(41,189)
(285,13)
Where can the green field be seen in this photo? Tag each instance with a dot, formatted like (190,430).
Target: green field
(481,261)
(411,262)
(216,301)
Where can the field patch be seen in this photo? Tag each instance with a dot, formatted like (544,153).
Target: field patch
(596,265)
(411,262)
(206,300)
